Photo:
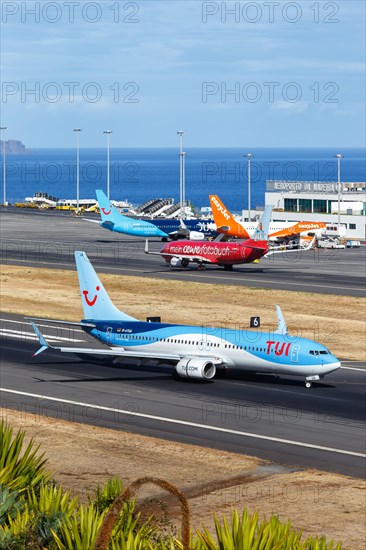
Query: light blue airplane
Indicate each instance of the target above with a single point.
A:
(164, 228)
(195, 351)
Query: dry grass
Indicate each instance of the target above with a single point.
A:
(336, 321)
(213, 481)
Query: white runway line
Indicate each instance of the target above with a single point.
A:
(186, 423)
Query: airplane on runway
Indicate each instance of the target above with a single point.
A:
(278, 231)
(193, 351)
(165, 228)
(225, 254)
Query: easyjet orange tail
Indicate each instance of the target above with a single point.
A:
(225, 223)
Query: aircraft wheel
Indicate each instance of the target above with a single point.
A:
(308, 384)
(185, 263)
(228, 267)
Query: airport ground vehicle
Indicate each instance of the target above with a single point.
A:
(330, 243)
(353, 244)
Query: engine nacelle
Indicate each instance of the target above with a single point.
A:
(196, 236)
(195, 367)
(178, 262)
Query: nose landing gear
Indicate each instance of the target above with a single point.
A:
(310, 379)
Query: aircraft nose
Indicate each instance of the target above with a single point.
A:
(333, 364)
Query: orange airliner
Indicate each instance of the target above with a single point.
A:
(227, 224)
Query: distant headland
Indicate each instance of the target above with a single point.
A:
(13, 147)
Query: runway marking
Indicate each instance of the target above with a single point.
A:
(39, 325)
(32, 336)
(186, 423)
(354, 368)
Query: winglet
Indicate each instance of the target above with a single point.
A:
(282, 327)
(182, 225)
(42, 341)
(262, 231)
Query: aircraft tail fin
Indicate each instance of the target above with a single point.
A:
(262, 231)
(225, 222)
(108, 212)
(97, 305)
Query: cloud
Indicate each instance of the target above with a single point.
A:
(290, 107)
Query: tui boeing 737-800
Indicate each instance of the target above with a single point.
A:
(194, 351)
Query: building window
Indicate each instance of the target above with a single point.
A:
(352, 226)
(304, 205)
(320, 205)
(290, 205)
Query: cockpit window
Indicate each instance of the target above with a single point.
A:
(318, 352)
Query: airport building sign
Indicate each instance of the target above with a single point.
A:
(302, 186)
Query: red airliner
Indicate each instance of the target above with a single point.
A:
(226, 254)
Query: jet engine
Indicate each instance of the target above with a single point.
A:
(195, 367)
(179, 262)
(196, 236)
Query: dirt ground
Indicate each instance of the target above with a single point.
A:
(214, 481)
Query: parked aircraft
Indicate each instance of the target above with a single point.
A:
(278, 231)
(194, 351)
(164, 228)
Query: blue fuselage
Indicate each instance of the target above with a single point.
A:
(255, 351)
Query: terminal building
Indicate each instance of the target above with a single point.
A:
(318, 201)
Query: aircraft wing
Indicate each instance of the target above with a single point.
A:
(189, 257)
(256, 247)
(278, 250)
(119, 351)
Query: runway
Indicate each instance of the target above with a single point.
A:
(49, 240)
(279, 420)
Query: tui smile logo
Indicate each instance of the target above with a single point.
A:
(106, 212)
(91, 302)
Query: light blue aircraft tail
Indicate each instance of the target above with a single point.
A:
(97, 305)
(262, 231)
(108, 212)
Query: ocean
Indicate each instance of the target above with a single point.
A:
(140, 174)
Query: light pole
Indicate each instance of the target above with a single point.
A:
(184, 183)
(181, 171)
(339, 157)
(249, 156)
(77, 130)
(4, 128)
(108, 132)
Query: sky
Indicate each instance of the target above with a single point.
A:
(230, 74)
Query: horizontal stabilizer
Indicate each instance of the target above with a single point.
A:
(71, 323)
(42, 341)
(92, 221)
